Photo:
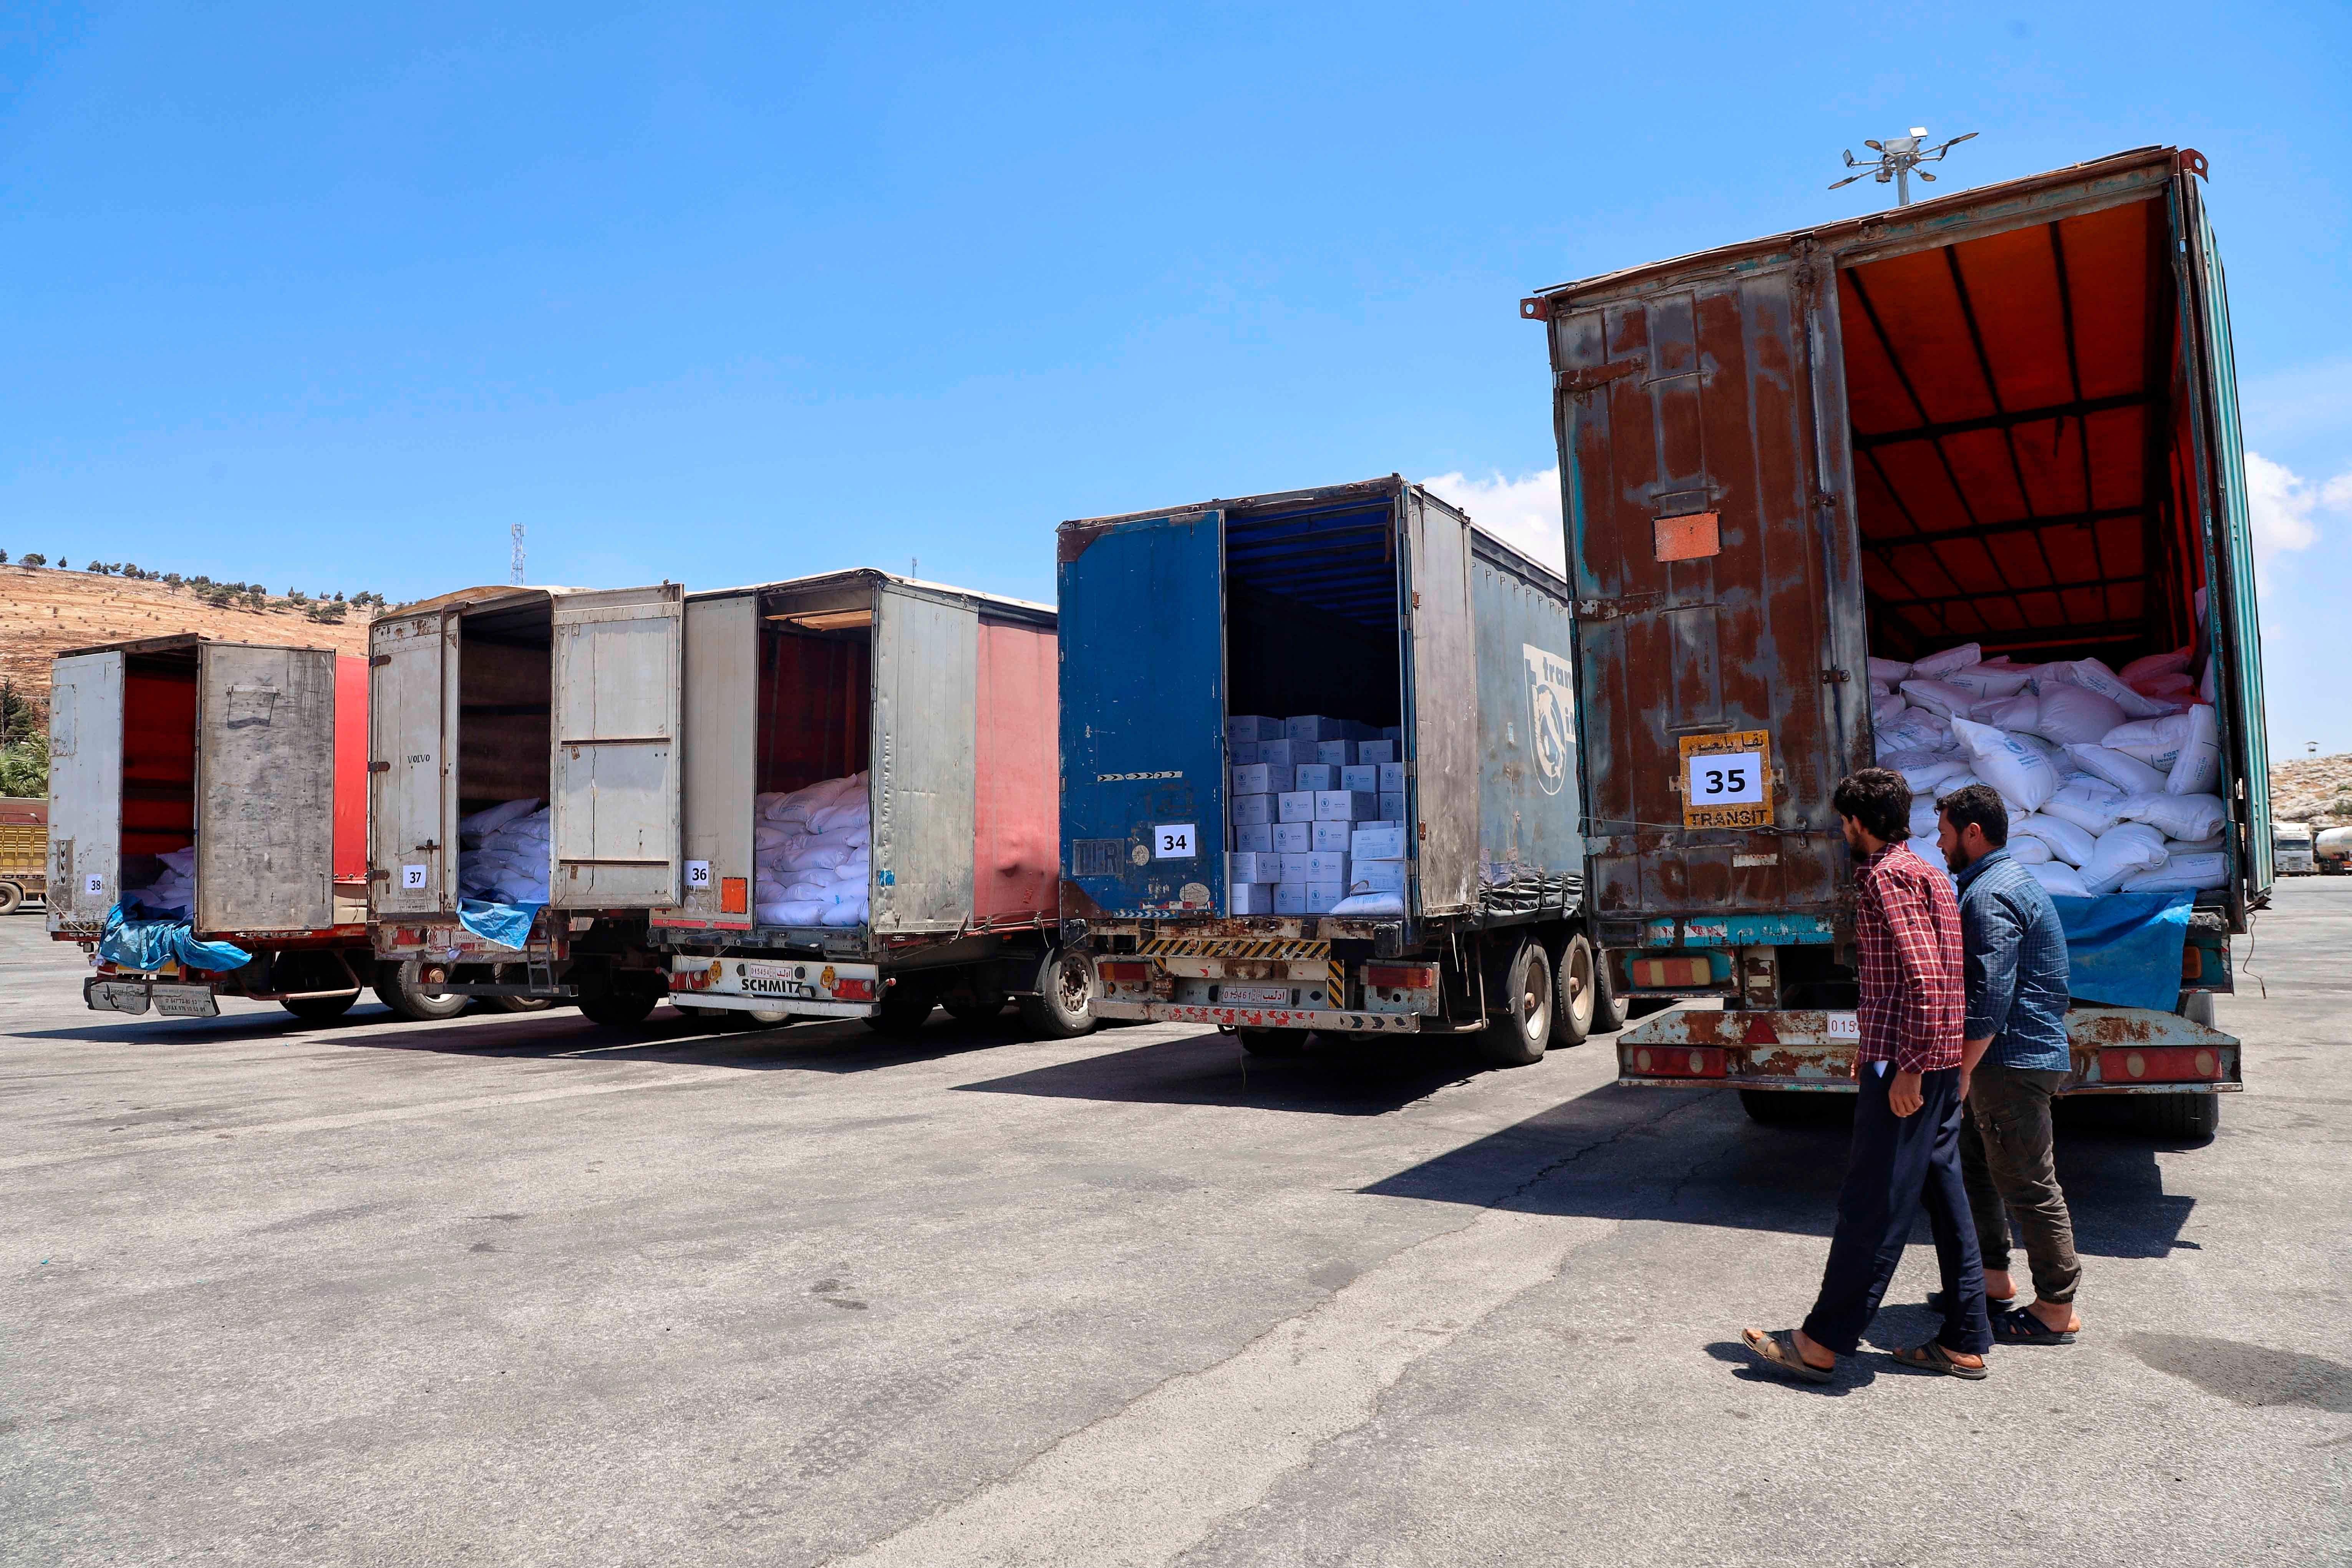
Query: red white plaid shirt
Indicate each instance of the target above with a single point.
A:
(1907, 924)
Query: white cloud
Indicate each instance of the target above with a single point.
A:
(2283, 505)
(1524, 513)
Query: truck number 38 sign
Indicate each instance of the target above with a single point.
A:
(1726, 780)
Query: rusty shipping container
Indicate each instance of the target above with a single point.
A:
(245, 765)
(939, 702)
(2006, 417)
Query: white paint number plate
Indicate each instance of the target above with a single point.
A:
(412, 878)
(1845, 1026)
(1726, 778)
(1173, 841)
(93, 884)
(698, 873)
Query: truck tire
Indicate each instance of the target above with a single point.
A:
(512, 973)
(1575, 1007)
(1061, 1008)
(616, 1008)
(1273, 1042)
(396, 987)
(11, 897)
(904, 1007)
(1517, 1037)
(2188, 1117)
(1608, 1009)
(319, 1009)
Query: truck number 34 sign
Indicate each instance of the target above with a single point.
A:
(1726, 780)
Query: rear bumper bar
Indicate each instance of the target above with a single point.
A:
(1261, 1017)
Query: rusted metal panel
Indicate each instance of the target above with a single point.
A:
(412, 764)
(717, 746)
(926, 669)
(1016, 818)
(265, 788)
(1442, 671)
(84, 789)
(1716, 414)
(618, 658)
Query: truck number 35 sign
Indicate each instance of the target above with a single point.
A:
(1726, 780)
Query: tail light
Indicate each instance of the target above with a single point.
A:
(1125, 973)
(853, 990)
(2160, 1064)
(1670, 971)
(1678, 1061)
(1399, 977)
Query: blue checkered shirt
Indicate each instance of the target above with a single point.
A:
(2014, 957)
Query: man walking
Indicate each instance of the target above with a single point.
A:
(2016, 986)
(1906, 1123)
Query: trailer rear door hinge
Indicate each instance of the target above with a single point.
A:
(1834, 677)
(1577, 383)
(379, 767)
(377, 661)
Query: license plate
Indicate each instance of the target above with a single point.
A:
(118, 998)
(758, 979)
(186, 1002)
(1254, 996)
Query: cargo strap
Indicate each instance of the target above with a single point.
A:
(1233, 947)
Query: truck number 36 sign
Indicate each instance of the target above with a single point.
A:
(1726, 780)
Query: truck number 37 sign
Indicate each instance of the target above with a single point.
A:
(1726, 780)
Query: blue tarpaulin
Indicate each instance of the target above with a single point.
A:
(2124, 949)
(148, 945)
(509, 925)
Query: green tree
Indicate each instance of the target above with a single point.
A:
(24, 747)
(36, 559)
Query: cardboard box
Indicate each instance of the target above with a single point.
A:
(1391, 779)
(1242, 752)
(1252, 727)
(1285, 754)
(1364, 776)
(1294, 868)
(1321, 895)
(1331, 835)
(1314, 727)
(1341, 805)
(1247, 866)
(1257, 838)
(1252, 778)
(1376, 752)
(1295, 805)
(1378, 841)
(1251, 810)
(1290, 898)
(1294, 837)
(1392, 807)
(1250, 898)
(1338, 753)
(1315, 776)
(1325, 866)
(1377, 877)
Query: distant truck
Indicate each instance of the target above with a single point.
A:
(1362, 610)
(2331, 851)
(2291, 848)
(23, 852)
(242, 765)
(2006, 417)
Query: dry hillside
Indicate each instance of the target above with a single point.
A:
(44, 611)
(2317, 790)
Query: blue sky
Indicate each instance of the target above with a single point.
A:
(329, 298)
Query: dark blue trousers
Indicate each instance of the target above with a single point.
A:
(1898, 1163)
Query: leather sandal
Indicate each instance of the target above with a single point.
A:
(1780, 1352)
(1933, 1357)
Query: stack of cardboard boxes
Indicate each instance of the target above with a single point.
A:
(1318, 813)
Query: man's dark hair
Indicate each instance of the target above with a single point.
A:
(1981, 804)
(1879, 800)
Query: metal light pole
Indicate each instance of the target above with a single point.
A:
(514, 567)
(1898, 157)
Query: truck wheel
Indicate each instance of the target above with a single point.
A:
(396, 987)
(904, 1009)
(1608, 1009)
(319, 1009)
(1575, 1011)
(1273, 1042)
(11, 897)
(514, 973)
(616, 1008)
(2190, 1118)
(1063, 1006)
(1518, 1039)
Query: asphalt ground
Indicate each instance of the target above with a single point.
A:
(520, 1290)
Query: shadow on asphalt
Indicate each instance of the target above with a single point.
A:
(1340, 1077)
(1691, 1157)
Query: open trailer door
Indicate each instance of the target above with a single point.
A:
(1721, 688)
(1144, 778)
(84, 789)
(413, 764)
(265, 788)
(618, 660)
(1444, 730)
(720, 773)
(924, 749)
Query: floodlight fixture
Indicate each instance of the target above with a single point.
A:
(1899, 158)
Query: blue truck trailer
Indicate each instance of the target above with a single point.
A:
(2007, 418)
(1367, 635)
